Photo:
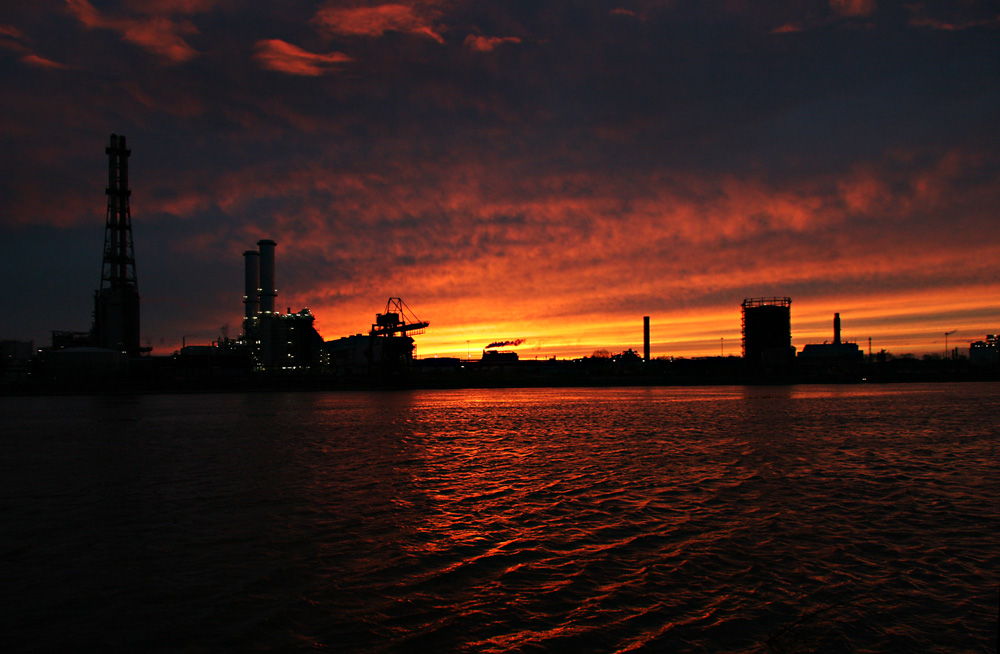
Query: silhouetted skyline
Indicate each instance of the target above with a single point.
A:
(554, 172)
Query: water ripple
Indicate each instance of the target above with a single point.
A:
(700, 520)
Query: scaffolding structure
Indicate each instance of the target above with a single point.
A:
(116, 302)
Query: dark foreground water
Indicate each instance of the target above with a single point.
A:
(791, 519)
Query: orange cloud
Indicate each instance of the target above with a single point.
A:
(574, 271)
(275, 54)
(572, 260)
(160, 35)
(488, 43)
(375, 21)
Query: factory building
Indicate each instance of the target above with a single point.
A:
(387, 348)
(363, 354)
(835, 352)
(767, 330)
(985, 353)
(278, 342)
(288, 342)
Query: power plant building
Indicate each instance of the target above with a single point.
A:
(277, 341)
(363, 354)
(767, 330)
(287, 342)
(835, 352)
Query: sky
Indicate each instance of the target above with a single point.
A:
(521, 169)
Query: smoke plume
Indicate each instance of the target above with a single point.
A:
(515, 342)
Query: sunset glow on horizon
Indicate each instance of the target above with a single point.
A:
(527, 170)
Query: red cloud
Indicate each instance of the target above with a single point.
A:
(171, 7)
(953, 25)
(787, 28)
(853, 7)
(41, 62)
(10, 31)
(12, 39)
(375, 21)
(275, 54)
(159, 35)
(488, 43)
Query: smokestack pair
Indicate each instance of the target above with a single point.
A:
(259, 291)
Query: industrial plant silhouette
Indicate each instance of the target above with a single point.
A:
(284, 350)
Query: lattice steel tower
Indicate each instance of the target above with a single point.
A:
(116, 304)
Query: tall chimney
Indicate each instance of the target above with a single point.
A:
(267, 290)
(836, 329)
(251, 286)
(645, 339)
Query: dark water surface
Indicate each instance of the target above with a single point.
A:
(778, 519)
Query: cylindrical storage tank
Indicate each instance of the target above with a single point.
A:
(251, 285)
(767, 330)
(267, 290)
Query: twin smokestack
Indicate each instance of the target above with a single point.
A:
(259, 292)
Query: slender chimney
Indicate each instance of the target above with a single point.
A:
(645, 339)
(836, 329)
(251, 288)
(267, 290)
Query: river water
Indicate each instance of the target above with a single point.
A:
(728, 519)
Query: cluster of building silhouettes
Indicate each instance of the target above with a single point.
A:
(286, 344)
